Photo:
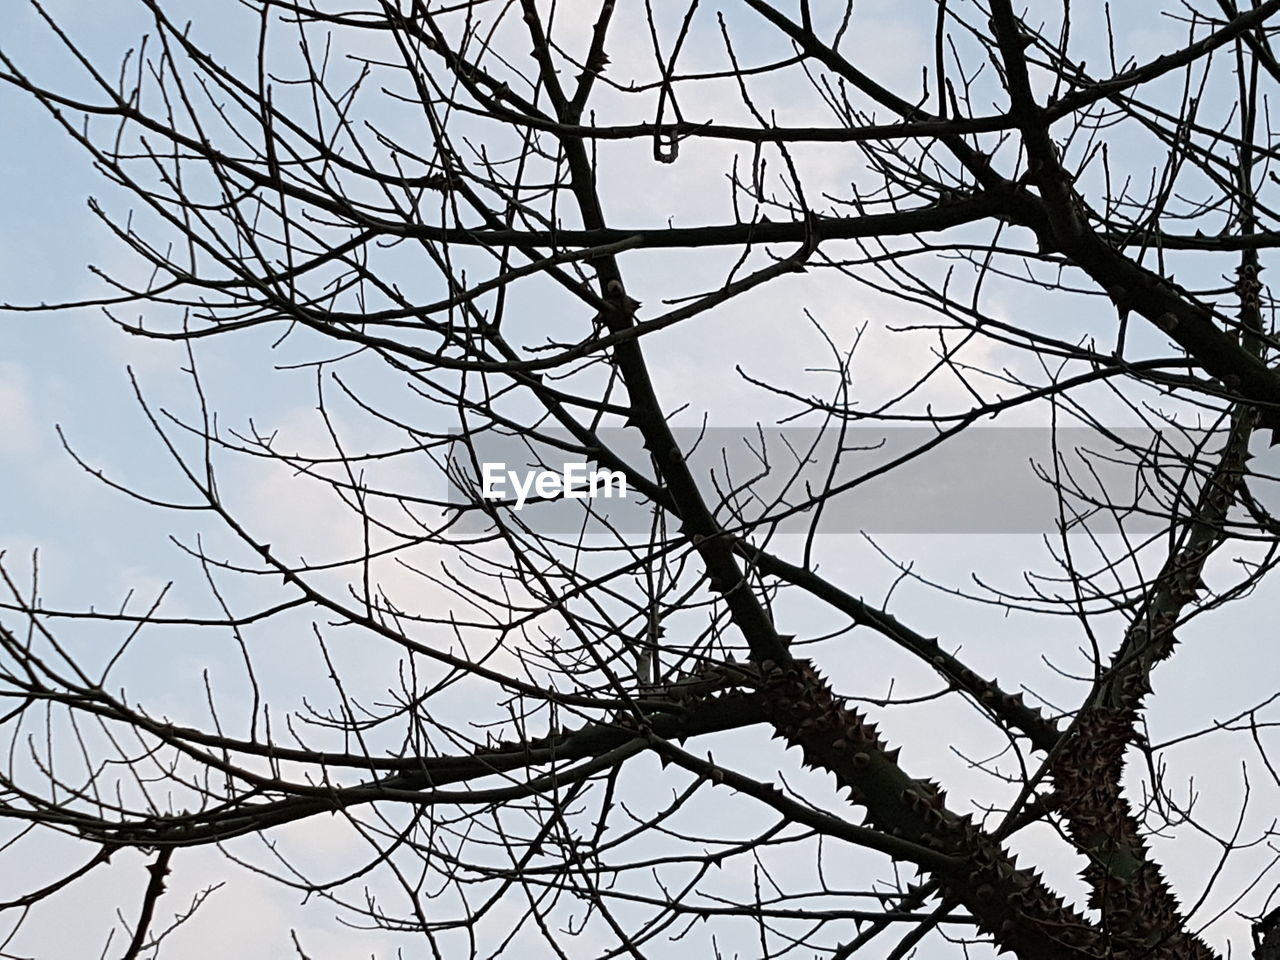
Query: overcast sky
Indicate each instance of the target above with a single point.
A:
(68, 370)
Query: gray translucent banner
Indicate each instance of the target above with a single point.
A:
(868, 479)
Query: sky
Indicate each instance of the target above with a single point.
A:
(67, 380)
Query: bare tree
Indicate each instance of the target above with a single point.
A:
(533, 234)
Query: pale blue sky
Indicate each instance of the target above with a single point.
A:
(96, 545)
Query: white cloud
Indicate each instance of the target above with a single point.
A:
(19, 434)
